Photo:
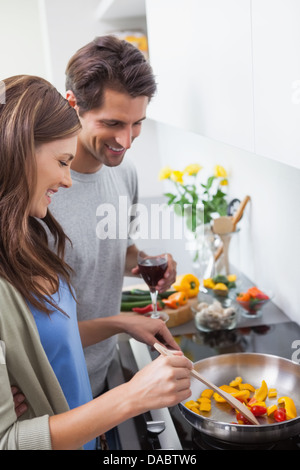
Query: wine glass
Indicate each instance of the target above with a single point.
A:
(152, 268)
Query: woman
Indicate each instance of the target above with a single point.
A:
(40, 342)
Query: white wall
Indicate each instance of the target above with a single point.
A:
(22, 39)
(269, 249)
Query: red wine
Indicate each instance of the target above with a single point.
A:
(152, 270)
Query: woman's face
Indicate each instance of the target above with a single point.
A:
(53, 172)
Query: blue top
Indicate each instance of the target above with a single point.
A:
(61, 341)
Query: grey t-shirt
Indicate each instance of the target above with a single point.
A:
(94, 214)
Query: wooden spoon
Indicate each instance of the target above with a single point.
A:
(236, 217)
(227, 396)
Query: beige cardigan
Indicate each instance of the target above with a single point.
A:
(23, 363)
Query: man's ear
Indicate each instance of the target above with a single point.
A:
(71, 98)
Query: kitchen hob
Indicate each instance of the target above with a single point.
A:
(168, 429)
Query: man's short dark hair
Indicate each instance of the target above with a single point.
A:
(108, 62)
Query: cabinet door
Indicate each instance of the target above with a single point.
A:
(200, 51)
(276, 72)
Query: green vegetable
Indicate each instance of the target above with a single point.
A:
(133, 297)
(220, 278)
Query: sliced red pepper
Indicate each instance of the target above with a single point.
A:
(147, 309)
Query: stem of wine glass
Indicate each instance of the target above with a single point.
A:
(155, 313)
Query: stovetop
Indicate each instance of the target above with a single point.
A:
(279, 339)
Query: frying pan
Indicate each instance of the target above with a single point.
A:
(279, 373)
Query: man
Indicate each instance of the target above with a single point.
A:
(110, 84)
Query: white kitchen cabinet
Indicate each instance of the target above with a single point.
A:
(116, 9)
(200, 51)
(276, 78)
(230, 71)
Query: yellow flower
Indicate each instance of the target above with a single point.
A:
(165, 173)
(220, 171)
(192, 169)
(177, 176)
(224, 182)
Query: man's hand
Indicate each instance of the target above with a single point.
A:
(169, 276)
(19, 400)
(149, 331)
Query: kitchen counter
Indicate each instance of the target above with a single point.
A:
(254, 334)
(271, 314)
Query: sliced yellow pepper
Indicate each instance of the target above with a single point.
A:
(244, 394)
(228, 389)
(203, 400)
(205, 406)
(236, 382)
(246, 387)
(258, 403)
(272, 393)
(290, 407)
(271, 409)
(218, 398)
(187, 283)
(261, 393)
(207, 393)
(195, 410)
(191, 404)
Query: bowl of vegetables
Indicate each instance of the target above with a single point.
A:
(252, 301)
(220, 285)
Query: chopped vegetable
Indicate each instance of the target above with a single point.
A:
(205, 406)
(258, 410)
(262, 392)
(280, 415)
(289, 406)
(207, 393)
(246, 387)
(176, 300)
(256, 403)
(252, 300)
(236, 382)
(272, 393)
(271, 409)
(146, 309)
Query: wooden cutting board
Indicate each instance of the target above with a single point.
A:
(176, 317)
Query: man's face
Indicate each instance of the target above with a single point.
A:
(107, 132)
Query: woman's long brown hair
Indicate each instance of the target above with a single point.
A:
(33, 113)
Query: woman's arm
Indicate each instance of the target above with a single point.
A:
(163, 383)
(146, 330)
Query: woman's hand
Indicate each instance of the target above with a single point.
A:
(149, 331)
(163, 383)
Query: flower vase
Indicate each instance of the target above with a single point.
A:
(202, 252)
(224, 255)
